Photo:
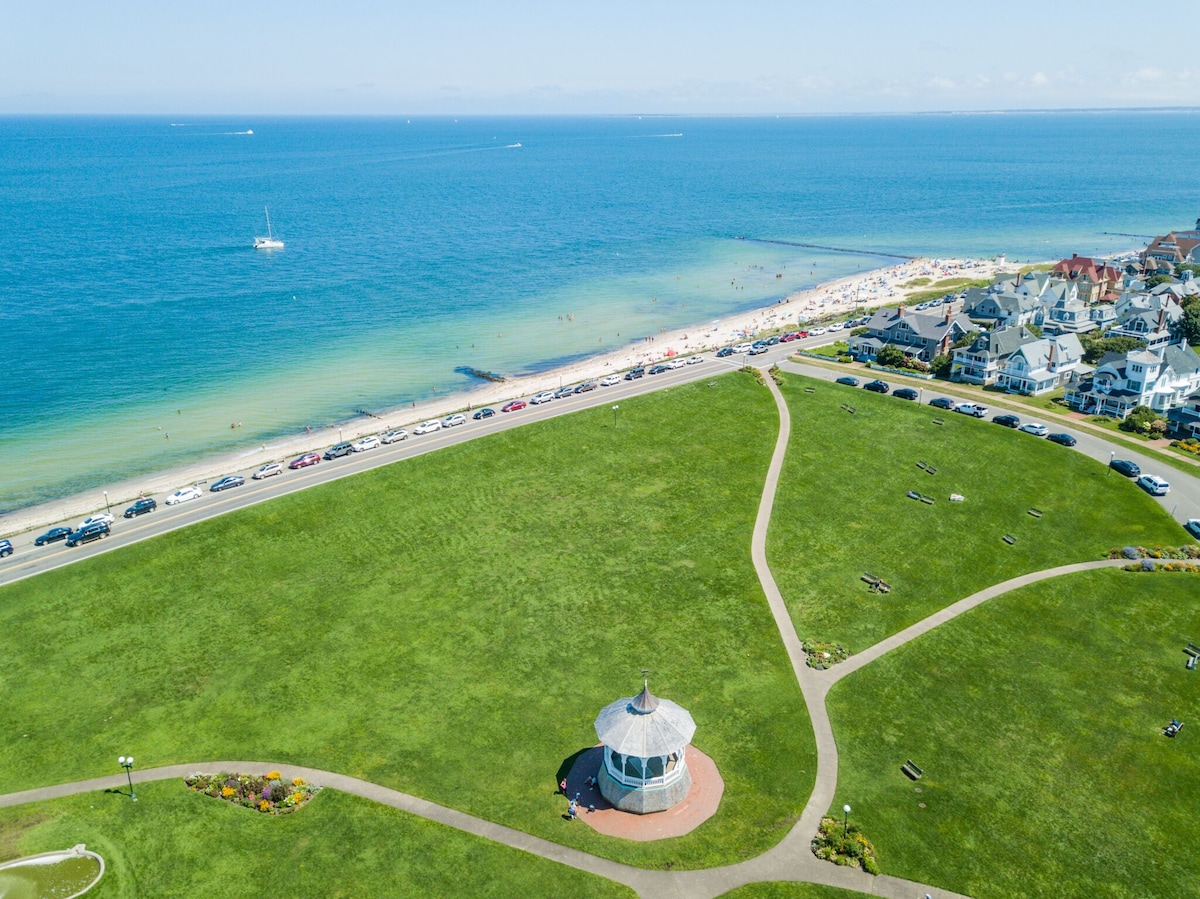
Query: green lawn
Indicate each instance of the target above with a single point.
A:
(1037, 719)
(448, 626)
(173, 842)
(842, 510)
(777, 890)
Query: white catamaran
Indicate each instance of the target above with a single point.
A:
(269, 242)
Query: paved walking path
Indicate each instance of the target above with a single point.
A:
(790, 860)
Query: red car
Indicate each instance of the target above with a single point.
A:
(306, 460)
(513, 406)
(801, 333)
(788, 337)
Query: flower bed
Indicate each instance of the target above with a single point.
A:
(844, 845)
(267, 793)
(1183, 553)
(824, 655)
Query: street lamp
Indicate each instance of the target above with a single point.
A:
(126, 762)
(339, 435)
(615, 408)
(107, 504)
(845, 820)
(1112, 455)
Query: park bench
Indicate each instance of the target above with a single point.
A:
(810, 390)
(869, 578)
(881, 587)
(939, 421)
(1191, 663)
(921, 464)
(911, 770)
(1009, 539)
(912, 494)
(1036, 513)
(1173, 728)
(849, 408)
(927, 500)
(929, 469)
(1192, 649)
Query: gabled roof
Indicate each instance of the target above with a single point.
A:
(1182, 359)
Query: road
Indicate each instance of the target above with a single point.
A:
(1183, 501)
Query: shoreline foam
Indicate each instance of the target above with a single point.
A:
(866, 290)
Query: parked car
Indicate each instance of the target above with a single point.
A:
(848, 380)
(772, 341)
(634, 373)
(453, 421)
(538, 398)
(942, 402)
(756, 350)
(677, 362)
(1154, 485)
(484, 413)
(877, 386)
(659, 369)
(514, 406)
(98, 518)
(1062, 439)
(563, 392)
(1009, 421)
(338, 450)
(183, 495)
(586, 387)
(6, 548)
(304, 461)
(905, 393)
(427, 427)
(610, 381)
(233, 480)
(53, 536)
(1192, 526)
(363, 444)
(816, 332)
(742, 348)
(269, 470)
(788, 337)
(93, 531)
(1036, 428)
(394, 436)
(724, 351)
(141, 506)
(1125, 467)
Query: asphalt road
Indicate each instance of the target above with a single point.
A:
(1183, 501)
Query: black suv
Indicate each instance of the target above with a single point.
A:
(877, 386)
(848, 380)
(5, 548)
(93, 531)
(141, 507)
(942, 402)
(634, 373)
(906, 393)
(1009, 421)
(338, 450)
(1125, 467)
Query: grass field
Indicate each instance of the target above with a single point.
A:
(775, 890)
(1037, 719)
(448, 626)
(842, 510)
(175, 843)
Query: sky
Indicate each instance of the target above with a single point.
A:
(368, 57)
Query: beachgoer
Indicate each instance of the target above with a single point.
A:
(562, 787)
(572, 810)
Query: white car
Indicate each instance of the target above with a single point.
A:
(366, 443)
(972, 409)
(610, 381)
(394, 436)
(816, 332)
(1154, 485)
(1036, 428)
(451, 421)
(271, 468)
(676, 363)
(98, 518)
(182, 495)
(427, 427)
(836, 326)
(538, 398)
(743, 348)
(695, 360)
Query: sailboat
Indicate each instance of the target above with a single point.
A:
(269, 242)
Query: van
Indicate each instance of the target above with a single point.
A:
(93, 531)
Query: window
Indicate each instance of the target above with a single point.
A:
(633, 767)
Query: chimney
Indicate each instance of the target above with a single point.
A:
(1162, 317)
(1050, 357)
(900, 311)
(949, 312)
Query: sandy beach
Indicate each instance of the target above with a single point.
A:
(830, 301)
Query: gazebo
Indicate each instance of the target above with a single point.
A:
(645, 738)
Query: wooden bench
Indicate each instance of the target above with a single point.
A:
(911, 770)
(1036, 513)
(912, 494)
(810, 390)
(849, 409)
(939, 421)
(1192, 649)
(927, 500)
(1191, 663)
(869, 578)
(1009, 539)
(929, 469)
(921, 464)
(881, 587)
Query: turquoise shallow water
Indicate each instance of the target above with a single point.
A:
(131, 298)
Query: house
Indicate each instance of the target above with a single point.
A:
(1039, 366)
(923, 335)
(1147, 317)
(1094, 280)
(1162, 379)
(1164, 253)
(1068, 314)
(1003, 309)
(1184, 421)
(981, 361)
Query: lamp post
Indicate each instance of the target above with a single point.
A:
(339, 435)
(845, 820)
(107, 504)
(126, 762)
(615, 408)
(1112, 455)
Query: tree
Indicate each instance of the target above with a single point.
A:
(966, 340)
(1035, 330)
(941, 365)
(1155, 280)
(1188, 327)
(1139, 420)
(891, 356)
(1095, 348)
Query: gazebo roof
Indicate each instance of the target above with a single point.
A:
(644, 725)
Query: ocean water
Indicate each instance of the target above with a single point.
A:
(132, 304)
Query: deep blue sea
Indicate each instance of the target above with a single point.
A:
(132, 303)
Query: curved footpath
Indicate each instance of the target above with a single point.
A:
(790, 860)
